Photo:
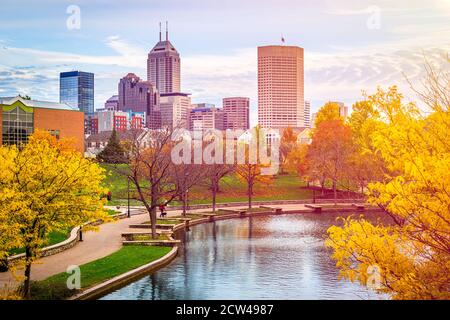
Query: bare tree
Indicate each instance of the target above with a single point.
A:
(185, 176)
(151, 170)
(214, 174)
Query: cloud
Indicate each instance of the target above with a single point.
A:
(339, 74)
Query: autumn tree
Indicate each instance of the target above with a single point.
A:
(329, 152)
(366, 162)
(296, 161)
(411, 256)
(329, 111)
(288, 142)
(45, 186)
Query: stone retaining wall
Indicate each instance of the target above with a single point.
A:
(125, 278)
(70, 242)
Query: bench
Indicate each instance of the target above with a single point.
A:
(316, 208)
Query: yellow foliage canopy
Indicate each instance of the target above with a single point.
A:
(45, 186)
(413, 254)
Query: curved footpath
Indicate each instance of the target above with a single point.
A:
(105, 241)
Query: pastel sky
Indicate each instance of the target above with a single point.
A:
(349, 45)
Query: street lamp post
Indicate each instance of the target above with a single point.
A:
(128, 212)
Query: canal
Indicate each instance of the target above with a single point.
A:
(269, 257)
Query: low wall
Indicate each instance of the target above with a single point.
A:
(125, 278)
(70, 242)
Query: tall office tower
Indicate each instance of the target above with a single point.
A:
(175, 108)
(280, 86)
(140, 96)
(236, 113)
(76, 88)
(307, 114)
(163, 65)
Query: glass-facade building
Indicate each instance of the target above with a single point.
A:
(17, 124)
(76, 88)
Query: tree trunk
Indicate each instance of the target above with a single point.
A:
(153, 211)
(153, 219)
(184, 203)
(26, 283)
(214, 194)
(250, 191)
(335, 193)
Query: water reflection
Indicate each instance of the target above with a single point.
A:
(274, 257)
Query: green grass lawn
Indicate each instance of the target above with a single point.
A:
(53, 238)
(284, 187)
(126, 259)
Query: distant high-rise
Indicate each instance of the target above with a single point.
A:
(175, 108)
(163, 65)
(76, 88)
(280, 86)
(112, 103)
(307, 114)
(236, 113)
(140, 96)
(206, 118)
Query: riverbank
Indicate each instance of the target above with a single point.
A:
(197, 219)
(108, 239)
(253, 257)
(120, 262)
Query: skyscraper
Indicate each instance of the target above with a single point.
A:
(140, 96)
(163, 65)
(280, 86)
(236, 113)
(307, 114)
(76, 88)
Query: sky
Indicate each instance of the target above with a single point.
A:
(350, 46)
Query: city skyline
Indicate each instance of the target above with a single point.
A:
(219, 58)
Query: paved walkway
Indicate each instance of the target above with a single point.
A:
(98, 244)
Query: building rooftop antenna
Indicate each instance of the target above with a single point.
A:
(167, 31)
(160, 31)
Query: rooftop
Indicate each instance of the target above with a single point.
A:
(37, 104)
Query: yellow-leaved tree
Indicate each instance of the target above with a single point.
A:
(45, 186)
(410, 258)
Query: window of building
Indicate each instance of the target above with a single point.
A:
(17, 126)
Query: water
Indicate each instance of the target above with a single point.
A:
(272, 257)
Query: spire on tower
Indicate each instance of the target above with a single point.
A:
(167, 31)
(160, 31)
